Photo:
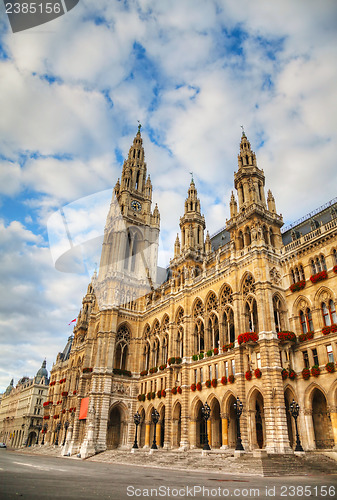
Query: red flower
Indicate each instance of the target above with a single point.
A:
(171, 361)
(292, 374)
(248, 337)
(330, 367)
(158, 394)
(74, 392)
(326, 330)
(64, 394)
(224, 380)
(216, 350)
(306, 373)
(143, 373)
(208, 383)
(284, 373)
(248, 375)
(258, 373)
(334, 269)
(174, 390)
(179, 389)
(285, 335)
(148, 396)
(214, 382)
(231, 379)
(295, 287)
(193, 387)
(46, 417)
(319, 277)
(315, 371)
(333, 328)
(199, 386)
(163, 393)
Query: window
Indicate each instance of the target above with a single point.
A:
(201, 377)
(226, 368)
(277, 313)
(306, 321)
(233, 366)
(258, 359)
(306, 359)
(330, 354)
(195, 376)
(210, 372)
(329, 313)
(335, 256)
(315, 356)
(216, 371)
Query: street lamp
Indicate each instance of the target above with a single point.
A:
(238, 407)
(206, 413)
(294, 410)
(58, 428)
(66, 425)
(136, 419)
(39, 427)
(155, 418)
(45, 428)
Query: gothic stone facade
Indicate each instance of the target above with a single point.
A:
(142, 342)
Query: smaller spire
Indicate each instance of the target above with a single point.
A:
(139, 126)
(192, 180)
(243, 131)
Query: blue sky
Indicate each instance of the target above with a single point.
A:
(192, 72)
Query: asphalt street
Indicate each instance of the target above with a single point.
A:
(35, 477)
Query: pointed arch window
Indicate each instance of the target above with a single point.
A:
(329, 313)
(251, 315)
(165, 349)
(181, 342)
(213, 326)
(306, 320)
(156, 351)
(146, 356)
(335, 256)
(278, 315)
(228, 324)
(199, 332)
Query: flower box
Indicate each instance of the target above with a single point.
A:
(209, 353)
(231, 379)
(162, 367)
(201, 355)
(284, 374)
(159, 394)
(306, 373)
(179, 390)
(74, 392)
(63, 411)
(285, 336)
(296, 287)
(141, 397)
(248, 375)
(292, 374)
(315, 371)
(195, 357)
(87, 370)
(306, 336)
(154, 369)
(46, 403)
(55, 417)
(216, 351)
(163, 393)
(330, 367)
(149, 396)
(208, 383)
(178, 361)
(224, 380)
(121, 371)
(315, 278)
(227, 347)
(174, 390)
(248, 337)
(214, 382)
(143, 373)
(199, 386)
(52, 383)
(257, 373)
(334, 269)
(171, 361)
(46, 417)
(327, 329)
(193, 387)
(64, 394)
(153, 395)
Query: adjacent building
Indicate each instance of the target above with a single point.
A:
(21, 409)
(248, 313)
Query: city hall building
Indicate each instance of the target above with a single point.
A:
(248, 313)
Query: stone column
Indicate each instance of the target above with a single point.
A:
(333, 416)
(147, 434)
(309, 426)
(224, 419)
(158, 433)
(209, 431)
(193, 432)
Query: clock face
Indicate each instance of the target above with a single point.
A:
(136, 206)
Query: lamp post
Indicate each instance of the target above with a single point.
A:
(238, 407)
(136, 419)
(58, 428)
(206, 413)
(39, 427)
(294, 410)
(66, 425)
(45, 428)
(155, 418)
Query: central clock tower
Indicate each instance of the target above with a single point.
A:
(128, 267)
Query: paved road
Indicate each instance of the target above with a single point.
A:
(34, 477)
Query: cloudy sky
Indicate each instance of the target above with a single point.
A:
(192, 72)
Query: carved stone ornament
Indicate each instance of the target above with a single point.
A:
(275, 276)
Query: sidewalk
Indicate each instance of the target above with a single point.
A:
(216, 461)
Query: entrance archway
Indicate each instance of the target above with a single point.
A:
(141, 430)
(257, 422)
(216, 425)
(200, 427)
(114, 438)
(31, 439)
(288, 397)
(321, 421)
(162, 426)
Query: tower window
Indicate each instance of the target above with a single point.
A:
(305, 359)
(315, 356)
(330, 354)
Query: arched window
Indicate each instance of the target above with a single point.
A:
(122, 342)
(213, 326)
(323, 264)
(278, 315)
(302, 275)
(199, 332)
(313, 267)
(156, 350)
(329, 313)
(146, 356)
(181, 342)
(251, 315)
(306, 320)
(228, 323)
(335, 256)
(165, 349)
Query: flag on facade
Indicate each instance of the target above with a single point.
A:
(72, 321)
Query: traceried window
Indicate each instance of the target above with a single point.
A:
(213, 326)
(329, 352)
(122, 342)
(306, 359)
(251, 315)
(278, 315)
(329, 313)
(199, 332)
(315, 356)
(297, 273)
(228, 325)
